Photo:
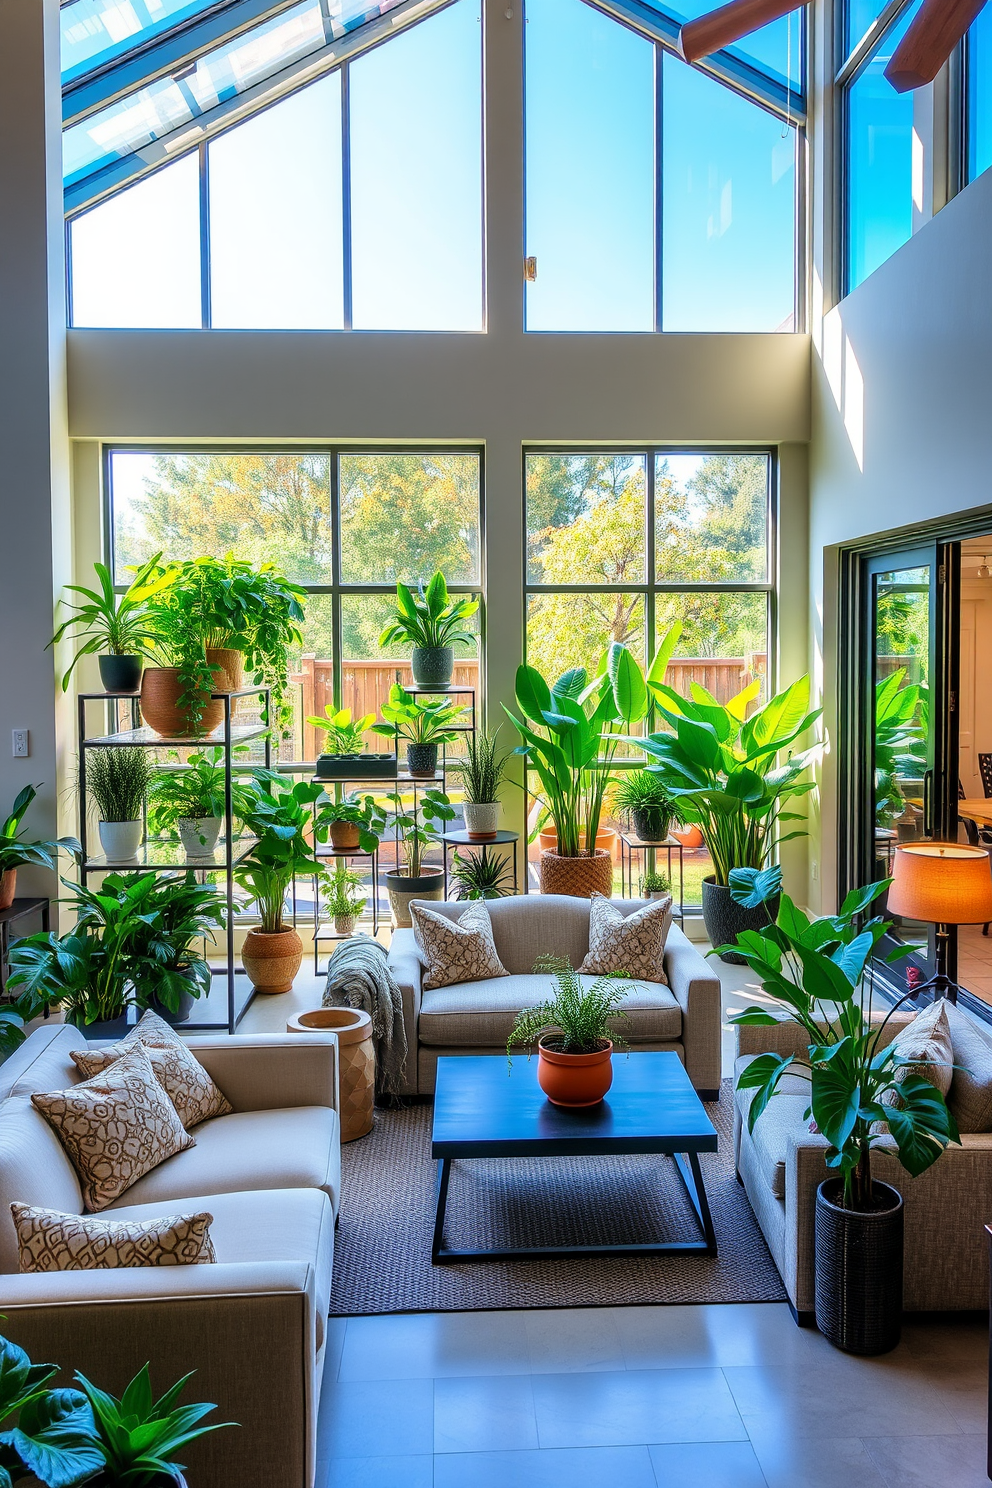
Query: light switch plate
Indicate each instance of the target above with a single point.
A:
(21, 743)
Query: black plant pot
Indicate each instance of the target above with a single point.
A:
(651, 823)
(859, 1270)
(432, 665)
(121, 673)
(355, 766)
(421, 759)
(105, 1028)
(724, 918)
(186, 1000)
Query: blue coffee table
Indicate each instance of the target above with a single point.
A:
(482, 1110)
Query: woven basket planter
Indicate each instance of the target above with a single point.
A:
(232, 662)
(580, 877)
(859, 1267)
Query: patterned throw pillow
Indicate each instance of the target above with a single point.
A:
(927, 1042)
(115, 1127)
(632, 945)
(459, 950)
(50, 1241)
(181, 1075)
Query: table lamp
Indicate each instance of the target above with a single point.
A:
(943, 884)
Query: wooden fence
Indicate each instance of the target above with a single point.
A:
(365, 685)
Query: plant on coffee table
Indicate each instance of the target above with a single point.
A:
(575, 1032)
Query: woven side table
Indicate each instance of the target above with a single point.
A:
(357, 1062)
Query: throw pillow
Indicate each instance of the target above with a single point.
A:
(50, 1241)
(181, 1075)
(629, 945)
(927, 1042)
(459, 950)
(970, 1097)
(114, 1127)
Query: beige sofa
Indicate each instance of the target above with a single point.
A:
(782, 1163)
(476, 1017)
(253, 1326)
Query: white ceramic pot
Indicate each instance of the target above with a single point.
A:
(481, 819)
(198, 835)
(120, 840)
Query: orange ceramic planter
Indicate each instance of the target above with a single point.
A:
(8, 887)
(345, 836)
(272, 958)
(606, 840)
(574, 1079)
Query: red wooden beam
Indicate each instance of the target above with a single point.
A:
(722, 27)
(936, 30)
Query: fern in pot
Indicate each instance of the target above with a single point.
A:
(643, 796)
(575, 1033)
(346, 899)
(482, 775)
(118, 779)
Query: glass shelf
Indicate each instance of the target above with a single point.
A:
(148, 739)
(163, 853)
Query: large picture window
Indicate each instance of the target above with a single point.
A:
(344, 523)
(622, 545)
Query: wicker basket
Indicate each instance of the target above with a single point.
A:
(580, 877)
(859, 1263)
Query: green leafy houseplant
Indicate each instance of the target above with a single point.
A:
(901, 710)
(16, 850)
(344, 735)
(655, 883)
(165, 969)
(821, 971)
(575, 1019)
(417, 827)
(345, 899)
(354, 821)
(111, 623)
(476, 875)
(65, 1437)
(424, 724)
(191, 797)
(484, 768)
(642, 794)
(278, 814)
(431, 618)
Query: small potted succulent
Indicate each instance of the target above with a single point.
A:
(482, 775)
(15, 851)
(345, 900)
(356, 823)
(479, 876)
(575, 1033)
(655, 885)
(416, 828)
(432, 622)
(345, 757)
(118, 779)
(642, 795)
(424, 725)
(279, 815)
(117, 628)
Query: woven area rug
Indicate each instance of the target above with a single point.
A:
(382, 1249)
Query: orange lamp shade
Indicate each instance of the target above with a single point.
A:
(943, 883)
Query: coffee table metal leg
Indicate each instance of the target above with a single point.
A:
(443, 1174)
(694, 1187)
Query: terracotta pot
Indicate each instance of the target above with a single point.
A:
(481, 820)
(344, 835)
(574, 1079)
(160, 693)
(401, 889)
(606, 840)
(232, 662)
(580, 877)
(689, 836)
(8, 887)
(356, 1058)
(272, 958)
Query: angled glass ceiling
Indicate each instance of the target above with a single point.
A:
(95, 32)
(776, 50)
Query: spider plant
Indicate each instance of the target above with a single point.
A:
(114, 624)
(118, 781)
(579, 1019)
(479, 876)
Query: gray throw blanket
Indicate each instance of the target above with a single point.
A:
(358, 977)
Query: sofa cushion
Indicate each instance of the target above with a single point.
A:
(43, 1061)
(481, 1014)
(785, 1113)
(116, 1126)
(297, 1147)
(50, 1241)
(285, 1224)
(459, 950)
(631, 945)
(34, 1169)
(927, 1042)
(970, 1097)
(182, 1077)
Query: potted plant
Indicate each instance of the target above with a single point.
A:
(416, 830)
(643, 796)
(345, 900)
(15, 851)
(482, 775)
(570, 736)
(861, 1095)
(424, 725)
(479, 876)
(118, 780)
(655, 885)
(575, 1033)
(345, 757)
(62, 1437)
(356, 823)
(166, 971)
(720, 766)
(431, 622)
(117, 628)
(278, 814)
(191, 798)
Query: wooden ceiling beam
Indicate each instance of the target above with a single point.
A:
(934, 33)
(720, 28)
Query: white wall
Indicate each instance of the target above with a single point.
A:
(901, 419)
